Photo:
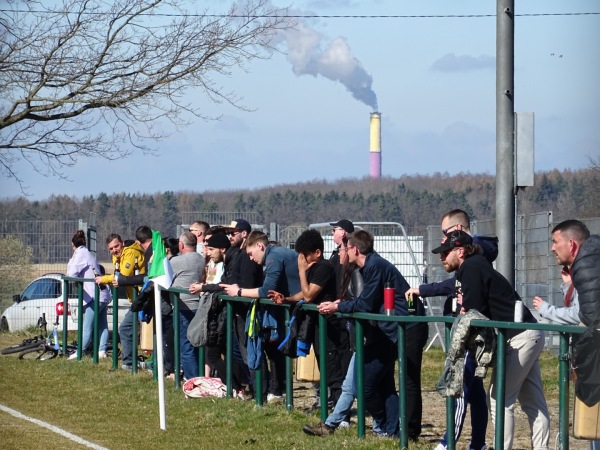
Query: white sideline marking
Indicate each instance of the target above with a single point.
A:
(57, 430)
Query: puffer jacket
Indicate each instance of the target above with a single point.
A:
(586, 278)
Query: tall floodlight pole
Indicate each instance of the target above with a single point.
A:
(505, 162)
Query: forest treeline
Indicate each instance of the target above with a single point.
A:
(414, 201)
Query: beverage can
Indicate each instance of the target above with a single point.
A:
(518, 311)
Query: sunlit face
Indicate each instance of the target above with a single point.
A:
(115, 247)
(450, 260)
(338, 235)
(256, 252)
(215, 254)
(236, 237)
(563, 248)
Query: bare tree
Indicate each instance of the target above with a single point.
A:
(90, 78)
(594, 162)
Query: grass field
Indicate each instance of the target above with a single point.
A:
(120, 411)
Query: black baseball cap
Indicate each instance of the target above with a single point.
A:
(454, 239)
(240, 224)
(344, 224)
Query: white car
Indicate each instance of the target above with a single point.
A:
(42, 296)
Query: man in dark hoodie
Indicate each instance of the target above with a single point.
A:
(473, 389)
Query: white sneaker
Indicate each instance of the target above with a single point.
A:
(272, 398)
(102, 355)
(440, 447)
(344, 424)
(73, 355)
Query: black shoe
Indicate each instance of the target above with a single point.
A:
(322, 429)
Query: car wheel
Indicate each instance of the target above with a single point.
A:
(4, 324)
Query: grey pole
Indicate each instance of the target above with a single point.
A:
(505, 111)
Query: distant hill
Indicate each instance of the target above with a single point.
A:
(414, 201)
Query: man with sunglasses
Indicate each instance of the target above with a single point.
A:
(473, 389)
(487, 291)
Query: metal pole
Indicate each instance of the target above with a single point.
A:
(505, 164)
(229, 348)
(323, 365)
(563, 391)
(115, 326)
(402, 384)
(96, 323)
(359, 377)
(500, 387)
(79, 320)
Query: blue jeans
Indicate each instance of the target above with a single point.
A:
(189, 354)
(344, 404)
(88, 327)
(381, 398)
(474, 394)
(126, 338)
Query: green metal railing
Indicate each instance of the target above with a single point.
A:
(360, 319)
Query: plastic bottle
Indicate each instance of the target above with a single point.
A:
(117, 271)
(96, 274)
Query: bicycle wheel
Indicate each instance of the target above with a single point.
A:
(33, 353)
(25, 345)
(50, 353)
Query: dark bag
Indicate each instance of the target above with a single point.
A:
(145, 300)
(586, 363)
(289, 345)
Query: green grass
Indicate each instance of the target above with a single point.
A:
(120, 411)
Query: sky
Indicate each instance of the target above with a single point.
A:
(432, 80)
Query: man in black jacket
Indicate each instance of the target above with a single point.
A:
(574, 247)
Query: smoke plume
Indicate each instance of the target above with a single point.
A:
(335, 61)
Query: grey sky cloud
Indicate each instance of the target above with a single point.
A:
(463, 63)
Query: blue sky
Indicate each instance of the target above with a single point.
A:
(434, 80)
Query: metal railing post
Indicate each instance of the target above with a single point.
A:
(289, 373)
(450, 409)
(79, 320)
(65, 311)
(96, 323)
(229, 348)
(500, 387)
(115, 326)
(403, 423)
(176, 344)
(563, 391)
(359, 378)
(134, 335)
(323, 366)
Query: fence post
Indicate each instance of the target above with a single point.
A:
(500, 387)
(79, 319)
(289, 387)
(65, 307)
(450, 420)
(402, 384)
(96, 322)
(134, 335)
(115, 326)
(323, 365)
(176, 345)
(359, 374)
(563, 391)
(229, 348)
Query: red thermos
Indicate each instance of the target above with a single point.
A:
(389, 294)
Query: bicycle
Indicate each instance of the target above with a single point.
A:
(31, 342)
(48, 349)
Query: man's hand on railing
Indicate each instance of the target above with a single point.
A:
(328, 307)
(277, 297)
(231, 289)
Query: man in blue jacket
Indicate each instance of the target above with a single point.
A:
(280, 275)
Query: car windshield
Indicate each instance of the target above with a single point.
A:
(42, 288)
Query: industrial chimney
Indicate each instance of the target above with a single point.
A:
(375, 145)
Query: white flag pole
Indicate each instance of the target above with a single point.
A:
(159, 358)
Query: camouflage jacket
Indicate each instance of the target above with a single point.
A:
(479, 342)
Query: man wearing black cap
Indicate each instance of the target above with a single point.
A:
(487, 291)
